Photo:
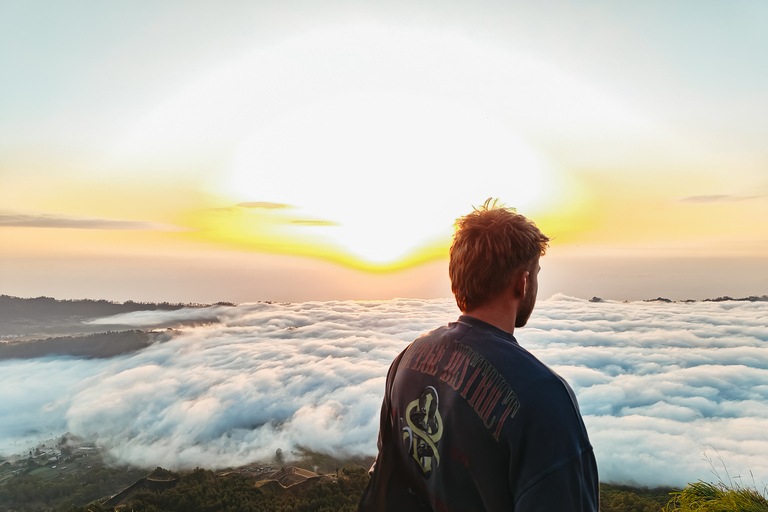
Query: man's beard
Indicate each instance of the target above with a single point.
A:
(525, 310)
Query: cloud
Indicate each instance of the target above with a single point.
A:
(315, 222)
(713, 199)
(265, 205)
(660, 385)
(55, 220)
(148, 319)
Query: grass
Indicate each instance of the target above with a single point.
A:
(718, 497)
(708, 497)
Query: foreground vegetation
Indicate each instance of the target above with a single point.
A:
(35, 491)
(68, 475)
(202, 491)
(625, 498)
(708, 497)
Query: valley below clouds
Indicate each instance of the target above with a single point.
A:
(661, 386)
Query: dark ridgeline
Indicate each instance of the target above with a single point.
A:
(46, 316)
(97, 345)
(48, 308)
(751, 298)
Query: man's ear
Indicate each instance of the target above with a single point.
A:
(521, 283)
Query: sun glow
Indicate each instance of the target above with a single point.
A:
(380, 175)
(283, 232)
(373, 137)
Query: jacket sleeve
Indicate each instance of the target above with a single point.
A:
(572, 487)
(555, 463)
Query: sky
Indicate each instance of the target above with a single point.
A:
(293, 151)
(669, 392)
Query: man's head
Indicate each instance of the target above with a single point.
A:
(492, 246)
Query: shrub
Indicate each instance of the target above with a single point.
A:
(708, 497)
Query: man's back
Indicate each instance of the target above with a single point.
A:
(471, 421)
(481, 424)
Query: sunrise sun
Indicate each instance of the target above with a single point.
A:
(381, 174)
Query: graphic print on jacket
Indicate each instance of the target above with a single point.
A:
(477, 381)
(424, 430)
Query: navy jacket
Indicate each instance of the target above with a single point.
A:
(482, 425)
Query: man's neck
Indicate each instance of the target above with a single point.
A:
(497, 313)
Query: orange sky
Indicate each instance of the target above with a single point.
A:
(293, 154)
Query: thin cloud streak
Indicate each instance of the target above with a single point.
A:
(659, 385)
(55, 220)
(265, 205)
(713, 199)
(315, 222)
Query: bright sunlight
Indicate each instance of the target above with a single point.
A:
(381, 174)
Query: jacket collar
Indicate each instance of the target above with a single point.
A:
(474, 322)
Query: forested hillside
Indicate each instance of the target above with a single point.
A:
(41, 316)
(96, 345)
(202, 490)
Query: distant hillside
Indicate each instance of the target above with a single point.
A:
(42, 308)
(725, 298)
(42, 316)
(751, 298)
(98, 345)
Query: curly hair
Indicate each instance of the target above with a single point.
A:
(489, 246)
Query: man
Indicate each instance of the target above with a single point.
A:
(471, 420)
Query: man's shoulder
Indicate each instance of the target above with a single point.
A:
(454, 330)
(470, 331)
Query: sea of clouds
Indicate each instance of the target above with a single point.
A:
(661, 386)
